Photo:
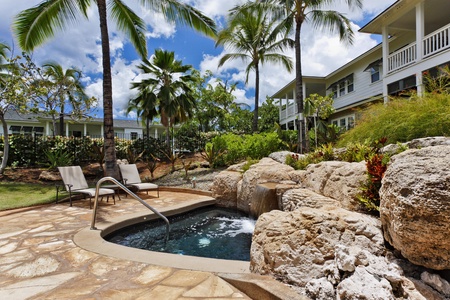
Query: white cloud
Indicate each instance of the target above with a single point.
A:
(79, 45)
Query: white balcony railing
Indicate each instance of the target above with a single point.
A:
(436, 41)
(402, 57)
(289, 112)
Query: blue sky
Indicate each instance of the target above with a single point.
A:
(78, 46)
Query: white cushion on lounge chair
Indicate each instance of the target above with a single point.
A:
(91, 192)
(75, 182)
(130, 175)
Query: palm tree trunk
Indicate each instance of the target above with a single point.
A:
(255, 112)
(111, 168)
(299, 85)
(5, 143)
(61, 120)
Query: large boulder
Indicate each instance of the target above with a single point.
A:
(224, 188)
(333, 253)
(415, 207)
(338, 180)
(299, 246)
(295, 198)
(266, 170)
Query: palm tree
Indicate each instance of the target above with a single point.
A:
(162, 92)
(68, 88)
(255, 38)
(3, 61)
(294, 13)
(35, 25)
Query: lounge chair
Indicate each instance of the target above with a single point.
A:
(75, 182)
(130, 177)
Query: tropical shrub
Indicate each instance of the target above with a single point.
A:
(58, 158)
(323, 153)
(402, 120)
(213, 155)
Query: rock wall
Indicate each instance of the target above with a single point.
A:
(325, 248)
(266, 170)
(338, 180)
(328, 253)
(415, 205)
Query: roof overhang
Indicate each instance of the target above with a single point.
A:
(400, 17)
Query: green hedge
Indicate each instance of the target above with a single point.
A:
(238, 148)
(26, 151)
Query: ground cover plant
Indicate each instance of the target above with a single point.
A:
(16, 195)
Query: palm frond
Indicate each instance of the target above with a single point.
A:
(131, 24)
(35, 25)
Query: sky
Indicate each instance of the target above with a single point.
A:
(79, 46)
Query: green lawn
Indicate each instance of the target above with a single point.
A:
(17, 195)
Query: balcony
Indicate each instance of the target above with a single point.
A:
(436, 41)
(432, 44)
(288, 113)
(403, 57)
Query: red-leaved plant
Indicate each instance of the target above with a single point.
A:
(376, 164)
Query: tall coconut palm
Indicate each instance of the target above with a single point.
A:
(35, 25)
(4, 49)
(166, 89)
(252, 36)
(294, 14)
(67, 89)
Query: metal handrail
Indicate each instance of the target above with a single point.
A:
(120, 185)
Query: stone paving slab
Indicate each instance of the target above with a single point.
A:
(39, 260)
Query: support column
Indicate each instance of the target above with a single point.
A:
(67, 129)
(385, 70)
(84, 129)
(420, 33)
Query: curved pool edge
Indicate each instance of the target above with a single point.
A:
(92, 240)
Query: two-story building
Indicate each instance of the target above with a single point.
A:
(40, 125)
(415, 39)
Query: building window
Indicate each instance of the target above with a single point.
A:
(134, 135)
(334, 91)
(374, 69)
(402, 85)
(375, 74)
(350, 122)
(342, 87)
(346, 122)
(76, 134)
(350, 85)
(39, 131)
(15, 129)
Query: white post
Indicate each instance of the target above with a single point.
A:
(67, 129)
(84, 129)
(420, 33)
(385, 61)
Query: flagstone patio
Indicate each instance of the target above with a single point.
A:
(39, 259)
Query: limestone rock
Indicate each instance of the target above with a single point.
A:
(266, 170)
(338, 180)
(280, 156)
(298, 176)
(320, 289)
(428, 142)
(363, 285)
(224, 188)
(296, 198)
(300, 245)
(414, 206)
(49, 176)
(237, 167)
(437, 282)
